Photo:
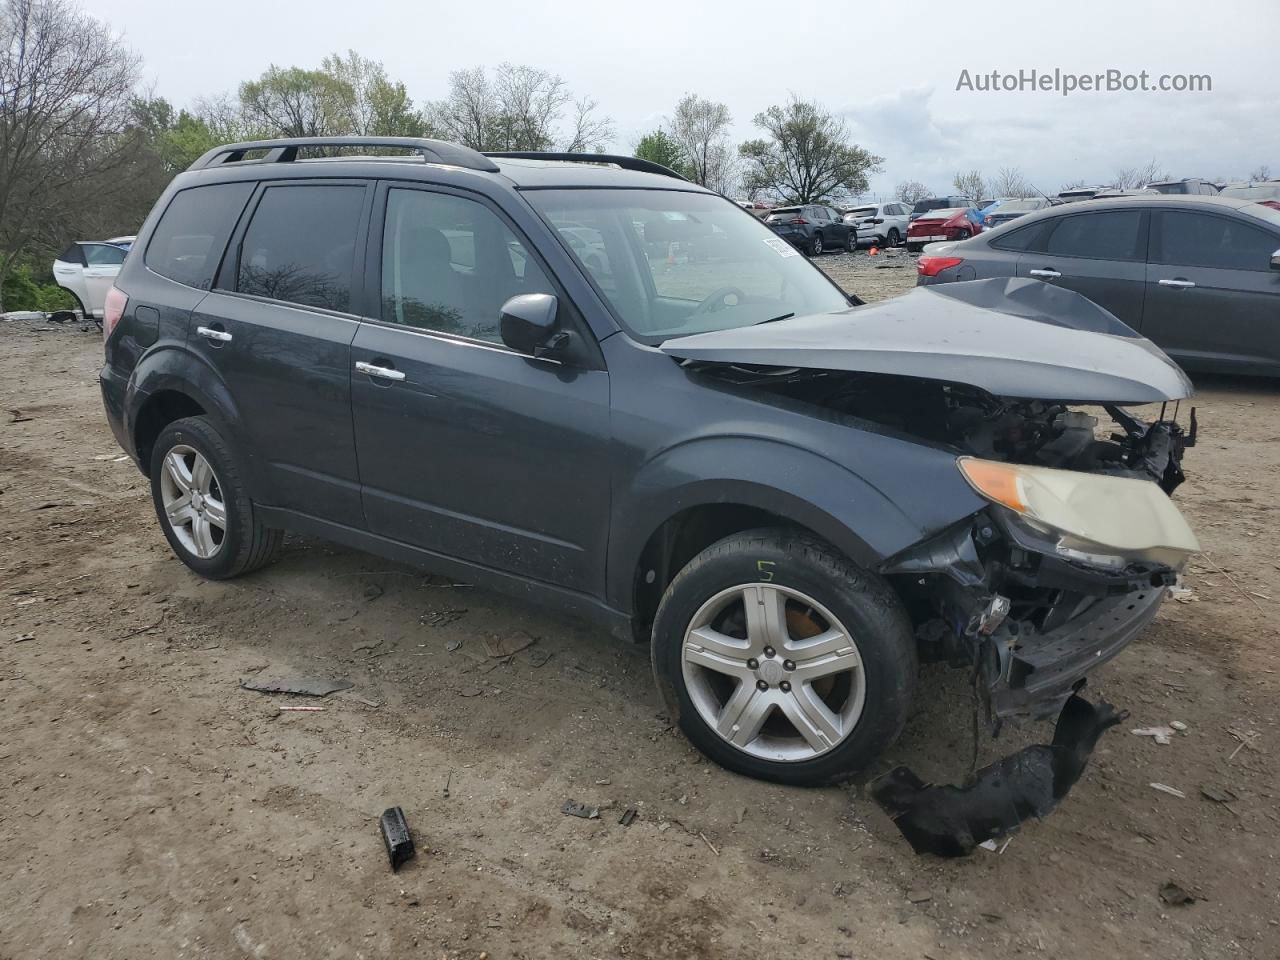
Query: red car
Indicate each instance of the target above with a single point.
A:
(955, 223)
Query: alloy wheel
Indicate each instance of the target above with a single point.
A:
(773, 672)
(193, 501)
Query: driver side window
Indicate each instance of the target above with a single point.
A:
(449, 264)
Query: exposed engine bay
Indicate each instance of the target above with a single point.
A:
(1039, 432)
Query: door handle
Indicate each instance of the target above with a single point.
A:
(210, 334)
(1180, 284)
(1046, 274)
(386, 373)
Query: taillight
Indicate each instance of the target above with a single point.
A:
(1273, 204)
(799, 220)
(113, 310)
(932, 266)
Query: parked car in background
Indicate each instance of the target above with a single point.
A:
(1076, 194)
(87, 268)
(754, 206)
(812, 229)
(880, 224)
(1113, 192)
(1005, 210)
(770, 485)
(1266, 192)
(1197, 275)
(953, 223)
(1188, 185)
(930, 204)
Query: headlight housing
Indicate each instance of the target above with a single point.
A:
(1101, 520)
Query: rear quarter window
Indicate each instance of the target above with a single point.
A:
(187, 243)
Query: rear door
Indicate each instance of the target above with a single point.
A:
(466, 447)
(278, 328)
(1213, 300)
(1099, 254)
(102, 266)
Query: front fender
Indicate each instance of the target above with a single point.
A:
(868, 520)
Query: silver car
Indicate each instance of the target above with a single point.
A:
(880, 224)
(1197, 275)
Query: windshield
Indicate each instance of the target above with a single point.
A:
(924, 206)
(943, 214)
(672, 263)
(783, 213)
(861, 212)
(1019, 206)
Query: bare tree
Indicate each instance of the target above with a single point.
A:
(911, 191)
(1010, 182)
(808, 156)
(1261, 172)
(701, 129)
(520, 108)
(970, 185)
(66, 89)
(1131, 178)
(292, 102)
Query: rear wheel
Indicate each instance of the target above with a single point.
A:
(894, 238)
(203, 504)
(815, 245)
(783, 660)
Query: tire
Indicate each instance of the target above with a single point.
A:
(814, 590)
(815, 245)
(894, 238)
(851, 242)
(242, 543)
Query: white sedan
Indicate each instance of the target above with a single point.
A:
(87, 268)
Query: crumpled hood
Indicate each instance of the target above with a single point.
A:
(1010, 336)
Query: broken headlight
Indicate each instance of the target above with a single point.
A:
(1100, 520)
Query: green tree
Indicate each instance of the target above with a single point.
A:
(378, 106)
(658, 147)
(292, 102)
(807, 156)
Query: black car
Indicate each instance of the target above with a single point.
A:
(476, 363)
(1197, 275)
(813, 228)
(929, 204)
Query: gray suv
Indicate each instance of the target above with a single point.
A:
(496, 367)
(1199, 276)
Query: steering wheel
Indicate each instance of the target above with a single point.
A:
(708, 304)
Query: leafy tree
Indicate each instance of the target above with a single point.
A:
(292, 102)
(807, 156)
(378, 106)
(657, 147)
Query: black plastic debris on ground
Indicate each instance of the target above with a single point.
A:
(950, 821)
(304, 686)
(628, 816)
(395, 834)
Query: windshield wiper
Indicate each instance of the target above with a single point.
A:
(785, 316)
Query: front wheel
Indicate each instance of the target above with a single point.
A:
(783, 660)
(850, 242)
(203, 504)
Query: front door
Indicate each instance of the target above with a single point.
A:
(1213, 300)
(278, 329)
(466, 447)
(1100, 255)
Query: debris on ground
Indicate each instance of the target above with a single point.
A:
(499, 647)
(303, 686)
(470, 692)
(24, 637)
(367, 645)
(1175, 896)
(1161, 735)
(950, 821)
(372, 592)
(454, 644)
(919, 896)
(16, 416)
(539, 658)
(395, 834)
(1218, 795)
(1245, 740)
(1165, 788)
(442, 618)
(629, 816)
(298, 708)
(1178, 725)
(583, 810)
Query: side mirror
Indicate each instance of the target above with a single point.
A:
(1275, 260)
(528, 324)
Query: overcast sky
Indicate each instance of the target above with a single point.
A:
(889, 67)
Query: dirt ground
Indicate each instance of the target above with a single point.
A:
(150, 807)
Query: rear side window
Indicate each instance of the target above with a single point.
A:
(1112, 235)
(300, 245)
(1200, 240)
(187, 243)
(103, 255)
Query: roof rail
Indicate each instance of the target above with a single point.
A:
(626, 163)
(286, 151)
